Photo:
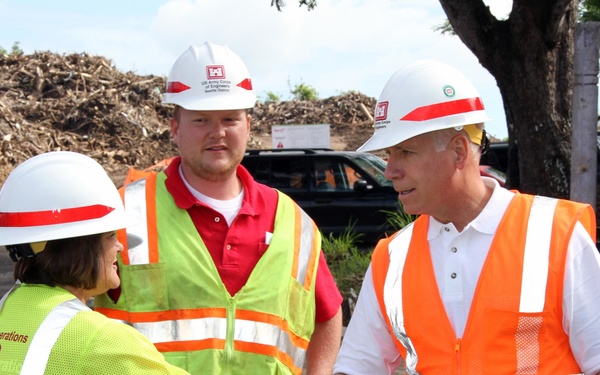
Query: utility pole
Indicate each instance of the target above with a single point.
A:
(584, 147)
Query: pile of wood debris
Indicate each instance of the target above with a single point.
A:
(82, 103)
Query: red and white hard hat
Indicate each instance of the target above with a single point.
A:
(209, 77)
(59, 195)
(420, 98)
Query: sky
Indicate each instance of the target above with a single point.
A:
(340, 46)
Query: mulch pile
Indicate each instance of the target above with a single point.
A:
(80, 102)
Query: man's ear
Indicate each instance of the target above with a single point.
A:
(174, 128)
(461, 149)
(248, 125)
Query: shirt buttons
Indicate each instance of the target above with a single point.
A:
(454, 249)
(447, 229)
(453, 275)
(228, 247)
(217, 219)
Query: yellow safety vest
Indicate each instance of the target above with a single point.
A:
(173, 294)
(45, 330)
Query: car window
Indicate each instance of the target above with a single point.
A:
(374, 166)
(324, 177)
(284, 174)
(335, 175)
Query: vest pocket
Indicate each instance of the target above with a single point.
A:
(147, 287)
(301, 309)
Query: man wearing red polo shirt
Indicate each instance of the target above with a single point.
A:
(226, 276)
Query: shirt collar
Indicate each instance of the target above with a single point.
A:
(253, 203)
(488, 219)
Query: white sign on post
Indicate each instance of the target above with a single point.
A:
(300, 136)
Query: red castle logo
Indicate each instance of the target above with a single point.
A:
(215, 72)
(381, 111)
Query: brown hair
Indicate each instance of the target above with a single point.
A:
(70, 261)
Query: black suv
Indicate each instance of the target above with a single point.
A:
(336, 188)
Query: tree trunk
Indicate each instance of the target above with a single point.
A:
(531, 56)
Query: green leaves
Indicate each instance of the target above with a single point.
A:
(15, 49)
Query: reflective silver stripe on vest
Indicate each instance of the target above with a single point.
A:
(271, 335)
(183, 329)
(137, 235)
(533, 283)
(46, 335)
(306, 244)
(392, 294)
(537, 252)
(216, 328)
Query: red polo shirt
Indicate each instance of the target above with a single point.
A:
(236, 249)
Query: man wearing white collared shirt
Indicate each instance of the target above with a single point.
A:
(450, 255)
(486, 281)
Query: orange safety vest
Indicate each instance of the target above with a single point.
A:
(515, 322)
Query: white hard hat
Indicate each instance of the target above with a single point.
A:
(59, 195)
(420, 98)
(209, 77)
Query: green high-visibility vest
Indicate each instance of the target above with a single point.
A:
(173, 294)
(46, 330)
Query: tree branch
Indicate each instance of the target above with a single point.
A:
(279, 4)
(473, 22)
(556, 20)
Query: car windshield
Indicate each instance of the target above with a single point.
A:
(374, 166)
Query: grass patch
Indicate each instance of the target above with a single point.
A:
(398, 219)
(347, 264)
